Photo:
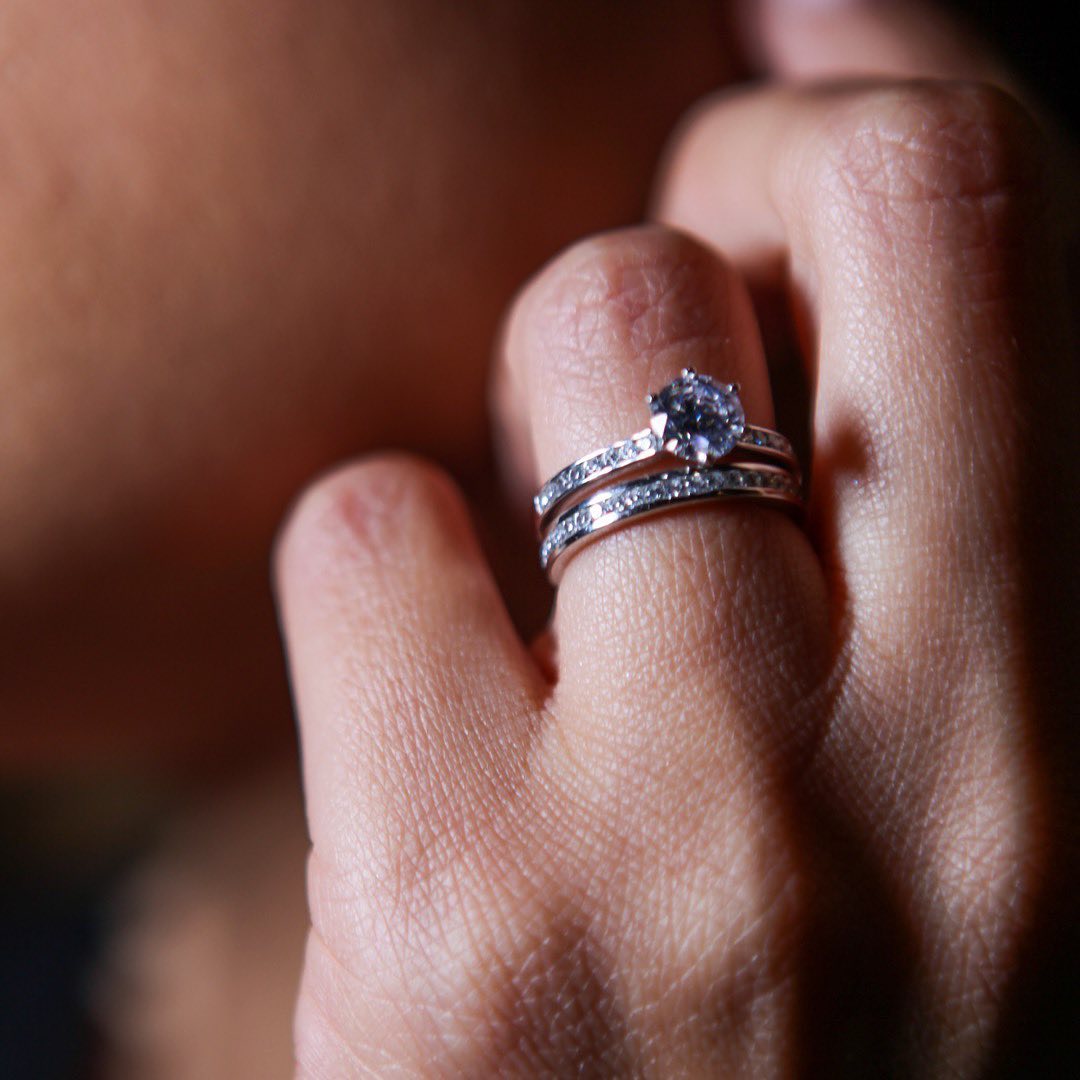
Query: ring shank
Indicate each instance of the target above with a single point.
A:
(585, 473)
(613, 507)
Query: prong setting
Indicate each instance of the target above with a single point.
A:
(694, 417)
(702, 419)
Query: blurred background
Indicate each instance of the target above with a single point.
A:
(228, 229)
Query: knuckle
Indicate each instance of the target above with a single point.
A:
(920, 157)
(352, 927)
(731, 879)
(327, 1041)
(362, 512)
(423, 851)
(549, 1003)
(622, 296)
(546, 949)
(531, 994)
(427, 857)
(730, 973)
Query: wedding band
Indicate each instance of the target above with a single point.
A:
(612, 507)
(694, 418)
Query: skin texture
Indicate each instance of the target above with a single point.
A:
(778, 801)
(232, 233)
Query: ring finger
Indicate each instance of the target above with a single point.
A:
(708, 604)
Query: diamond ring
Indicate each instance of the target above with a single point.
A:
(694, 418)
(697, 423)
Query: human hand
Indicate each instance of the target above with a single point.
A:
(777, 800)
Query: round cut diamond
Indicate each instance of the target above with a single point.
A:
(703, 419)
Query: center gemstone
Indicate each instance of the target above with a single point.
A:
(698, 418)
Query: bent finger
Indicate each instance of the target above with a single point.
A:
(915, 223)
(914, 220)
(696, 605)
(413, 692)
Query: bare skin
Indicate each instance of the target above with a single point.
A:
(790, 800)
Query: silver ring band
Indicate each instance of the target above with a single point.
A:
(694, 418)
(612, 507)
(640, 447)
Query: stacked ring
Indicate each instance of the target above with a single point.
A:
(695, 419)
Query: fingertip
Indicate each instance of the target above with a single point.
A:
(368, 514)
(827, 39)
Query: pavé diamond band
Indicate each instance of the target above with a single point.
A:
(611, 507)
(694, 418)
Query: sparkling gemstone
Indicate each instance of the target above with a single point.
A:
(703, 419)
